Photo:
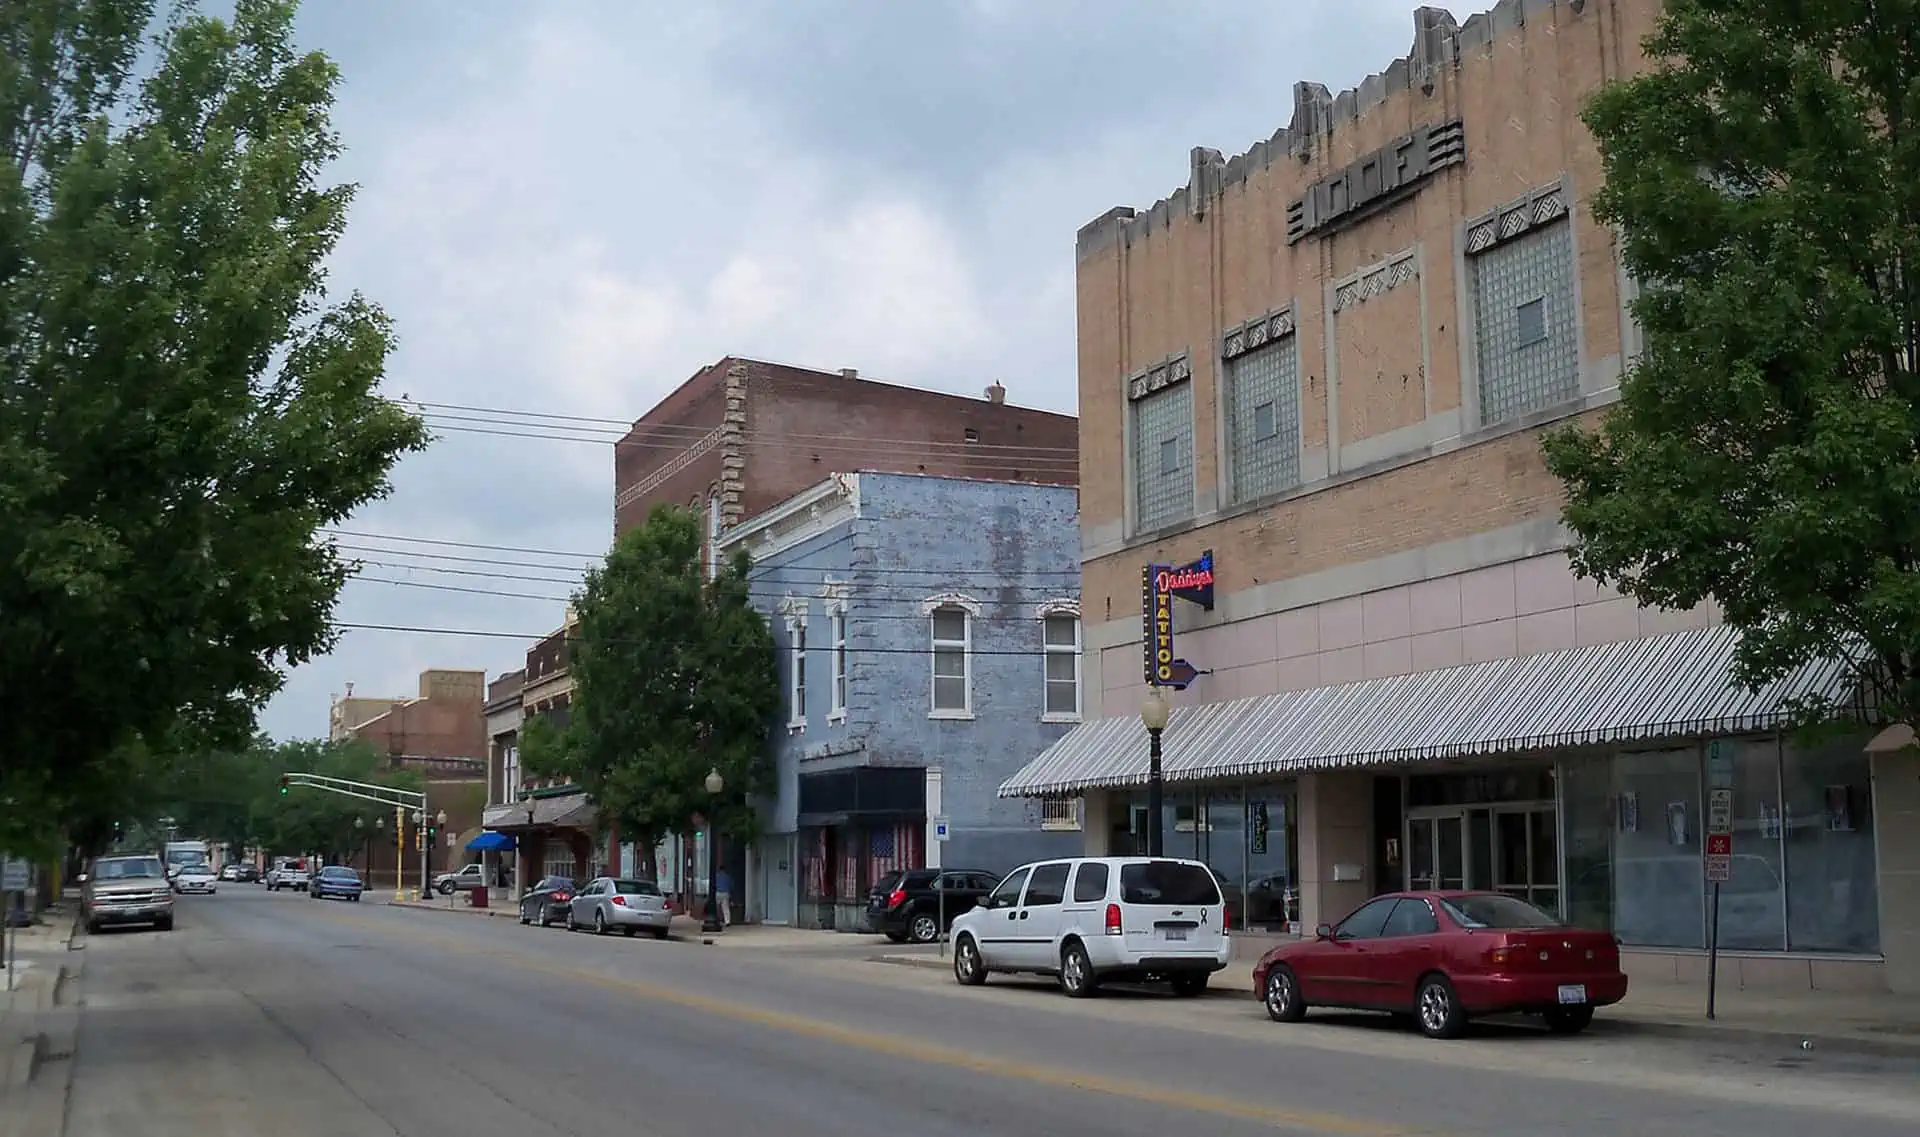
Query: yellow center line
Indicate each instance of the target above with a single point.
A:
(898, 1046)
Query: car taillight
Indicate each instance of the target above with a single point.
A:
(897, 898)
(1113, 919)
(620, 901)
(563, 896)
(1503, 956)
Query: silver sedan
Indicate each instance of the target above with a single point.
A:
(609, 903)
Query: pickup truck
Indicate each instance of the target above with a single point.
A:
(292, 875)
(466, 880)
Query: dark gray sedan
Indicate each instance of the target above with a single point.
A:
(546, 903)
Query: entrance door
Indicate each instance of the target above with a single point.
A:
(1437, 851)
(1526, 855)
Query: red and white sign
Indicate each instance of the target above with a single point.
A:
(1719, 844)
(1719, 869)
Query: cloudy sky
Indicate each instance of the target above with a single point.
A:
(571, 206)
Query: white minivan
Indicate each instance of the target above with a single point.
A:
(1091, 919)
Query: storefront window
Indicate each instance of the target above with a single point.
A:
(1833, 901)
(1587, 809)
(1753, 914)
(1659, 878)
(1272, 897)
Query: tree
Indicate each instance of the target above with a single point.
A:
(673, 676)
(182, 406)
(1765, 182)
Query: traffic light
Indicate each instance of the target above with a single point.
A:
(283, 783)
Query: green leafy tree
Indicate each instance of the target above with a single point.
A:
(182, 405)
(1765, 183)
(673, 676)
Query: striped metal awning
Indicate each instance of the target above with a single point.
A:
(1672, 686)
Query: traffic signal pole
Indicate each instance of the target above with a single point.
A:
(401, 801)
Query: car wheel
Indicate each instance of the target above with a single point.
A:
(525, 919)
(446, 888)
(1569, 1020)
(571, 926)
(599, 923)
(93, 927)
(356, 898)
(1284, 1004)
(545, 919)
(1188, 986)
(968, 968)
(165, 923)
(1076, 972)
(659, 933)
(629, 931)
(924, 929)
(1438, 1009)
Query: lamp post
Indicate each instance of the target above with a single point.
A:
(380, 832)
(420, 839)
(1153, 715)
(359, 831)
(715, 783)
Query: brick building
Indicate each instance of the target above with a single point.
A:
(929, 638)
(1329, 361)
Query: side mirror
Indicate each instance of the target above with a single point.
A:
(984, 902)
(1323, 932)
(82, 878)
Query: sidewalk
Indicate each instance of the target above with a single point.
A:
(686, 929)
(39, 1021)
(1884, 1025)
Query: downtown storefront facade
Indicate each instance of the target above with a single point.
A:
(1576, 778)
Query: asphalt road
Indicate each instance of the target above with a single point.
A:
(276, 1016)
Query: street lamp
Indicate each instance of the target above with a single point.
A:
(1154, 713)
(715, 783)
(359, 828)
(420, 839)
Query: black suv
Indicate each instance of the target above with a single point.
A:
(907, 905)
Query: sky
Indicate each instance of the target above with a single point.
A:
(570, 207)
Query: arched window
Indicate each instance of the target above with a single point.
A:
(1060, 651)
(950, 620)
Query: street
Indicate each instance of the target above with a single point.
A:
(277, 1015)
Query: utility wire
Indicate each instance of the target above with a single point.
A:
(407, 629)
(774, 596)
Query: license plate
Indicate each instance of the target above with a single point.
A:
(1176, 933)
(1573, 994)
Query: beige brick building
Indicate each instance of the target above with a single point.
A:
(1329, 361)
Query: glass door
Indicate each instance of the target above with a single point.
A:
(1526, 855)
(1437, 851)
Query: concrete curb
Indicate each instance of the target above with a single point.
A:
(1654, 1028)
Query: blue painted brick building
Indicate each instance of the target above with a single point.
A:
(929, 636)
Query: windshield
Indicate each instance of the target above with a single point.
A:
(339, 872)
(137, 868)
(636, 888)
(1491, 910)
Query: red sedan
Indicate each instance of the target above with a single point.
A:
(1446, 957)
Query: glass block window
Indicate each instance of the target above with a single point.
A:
(1163, 457)
(1523, 320)
(1263, 419)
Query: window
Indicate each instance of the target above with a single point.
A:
(1049, 884)
(797, 672)
(1007, 894)
(1167, 882)
(1060, 814)
(1061, 638)
(1520, 262)
(837, 641)
(1411, 918)
(1090, 883)
(510, 773)
(1368, 922)
(952, 662)
(1494, 911)
(1163, 457)
(1263, 419)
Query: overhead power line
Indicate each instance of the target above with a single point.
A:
(406, 629)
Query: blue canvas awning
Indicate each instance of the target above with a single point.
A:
(487, 842)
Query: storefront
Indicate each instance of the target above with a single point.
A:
(1576, 780)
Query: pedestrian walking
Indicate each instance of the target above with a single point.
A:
(723, 896)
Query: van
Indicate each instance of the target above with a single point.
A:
(1093, 920)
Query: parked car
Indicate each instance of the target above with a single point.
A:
(907, 905)
(238, 873)
(127, 890)
(1445, 958)
(466, 880)
(546, 902)
(336, 880)
(196, 877)
(609, 903)
(1091, 920)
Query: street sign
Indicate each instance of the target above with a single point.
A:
(1719, 811)
(1719, 844)
(15, 876)
(1720, 765)
(1719, 868)
(939, 828)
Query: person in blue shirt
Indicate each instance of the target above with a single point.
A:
(723, 896)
